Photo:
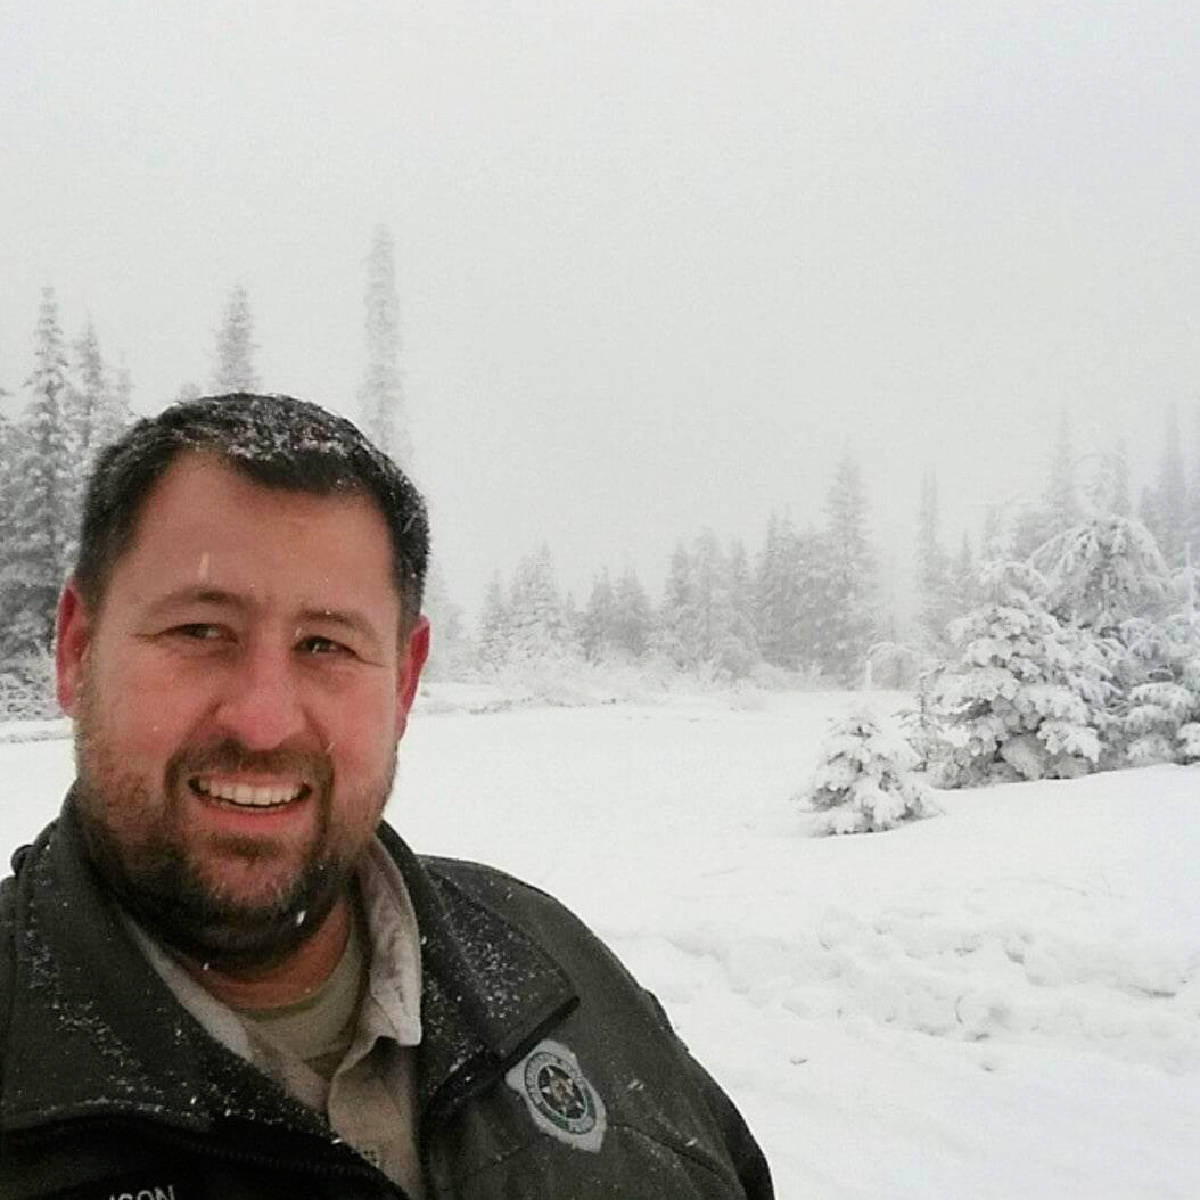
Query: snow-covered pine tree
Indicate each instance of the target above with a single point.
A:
(772, 580)
(845, 579)
(42, 523)
(633, 618)
(865, 779)
(1108, 581)
(1107, 490)
(450, 650)
(739, 650)
(85, 397)
(233, 370)
(95, 408)
(1104, 571)
(9, 455)
(381, 396)
(1036, 524)
(1193, 492)
(964, 585)
(537, 629)
(934, 588)
(677, 635)
(992, 542)
(495, 625)
(710, 581)
(597, 626)
(117, 413)
(1024, 696)
(1062, 501)
(1164, 507)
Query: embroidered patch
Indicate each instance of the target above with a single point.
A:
(560, 1100)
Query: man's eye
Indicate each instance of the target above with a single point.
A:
(322, 645)
(198, 632)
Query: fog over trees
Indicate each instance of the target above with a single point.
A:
(1061, 639)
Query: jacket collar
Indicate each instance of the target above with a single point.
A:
(94, 1030)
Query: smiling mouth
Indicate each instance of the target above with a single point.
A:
(244, 795)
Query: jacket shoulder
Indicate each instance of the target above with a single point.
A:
(543, 917)
(486, 882)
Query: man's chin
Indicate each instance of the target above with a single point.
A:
(232, 913)
(235, 931)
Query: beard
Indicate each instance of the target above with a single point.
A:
(137, 839)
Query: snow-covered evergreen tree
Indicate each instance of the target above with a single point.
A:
(537, 628)
(964, 583)
(43, 516)
(677, 636)
(234, 370)
(381, 398)
(495, 625)
(9, 456)
(739, 651)
(116, 415)
(1037, 524)
(86, 397)
(1108, 489)
(992, 543)
(1104, 571)
(1193, 492)
(1062, 501)
(450, 650)
(95, 412)
(1167, 505)
(597, 626)
(633, 617)
(865, 779)
(934, 588)
(777, 595)
(845, 579)
(1025, 695)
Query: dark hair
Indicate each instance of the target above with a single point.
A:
(276, 441)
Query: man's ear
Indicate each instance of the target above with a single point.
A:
(414, 650)
(73, 637)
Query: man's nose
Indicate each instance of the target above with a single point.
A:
(262, 706)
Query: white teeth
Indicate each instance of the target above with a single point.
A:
(248, 796)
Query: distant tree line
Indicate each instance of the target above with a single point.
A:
(804, 607)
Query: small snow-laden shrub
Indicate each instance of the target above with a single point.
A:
(865, 780)
(1025, 695)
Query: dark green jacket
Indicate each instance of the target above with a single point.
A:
(544, 1070)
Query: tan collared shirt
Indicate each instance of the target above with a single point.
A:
(370, 1100)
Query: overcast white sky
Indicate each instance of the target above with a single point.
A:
(659, 262)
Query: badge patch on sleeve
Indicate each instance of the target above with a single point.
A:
(560, 1100)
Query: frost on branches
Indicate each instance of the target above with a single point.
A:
(1024, 696)
(865, 780)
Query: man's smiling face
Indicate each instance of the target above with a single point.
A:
(238, 700)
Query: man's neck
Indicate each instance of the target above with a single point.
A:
(297, 976)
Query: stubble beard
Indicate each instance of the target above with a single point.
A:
(161, 880)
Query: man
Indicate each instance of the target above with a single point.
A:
(221, 975)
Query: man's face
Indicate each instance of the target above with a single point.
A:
(238, 700)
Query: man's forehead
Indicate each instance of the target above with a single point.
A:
(205, 514)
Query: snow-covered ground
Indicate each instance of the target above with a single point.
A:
(1002, 1001)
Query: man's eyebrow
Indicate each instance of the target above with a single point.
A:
(353, 621)
(198, 594)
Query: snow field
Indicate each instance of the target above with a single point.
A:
(1003, 1000)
